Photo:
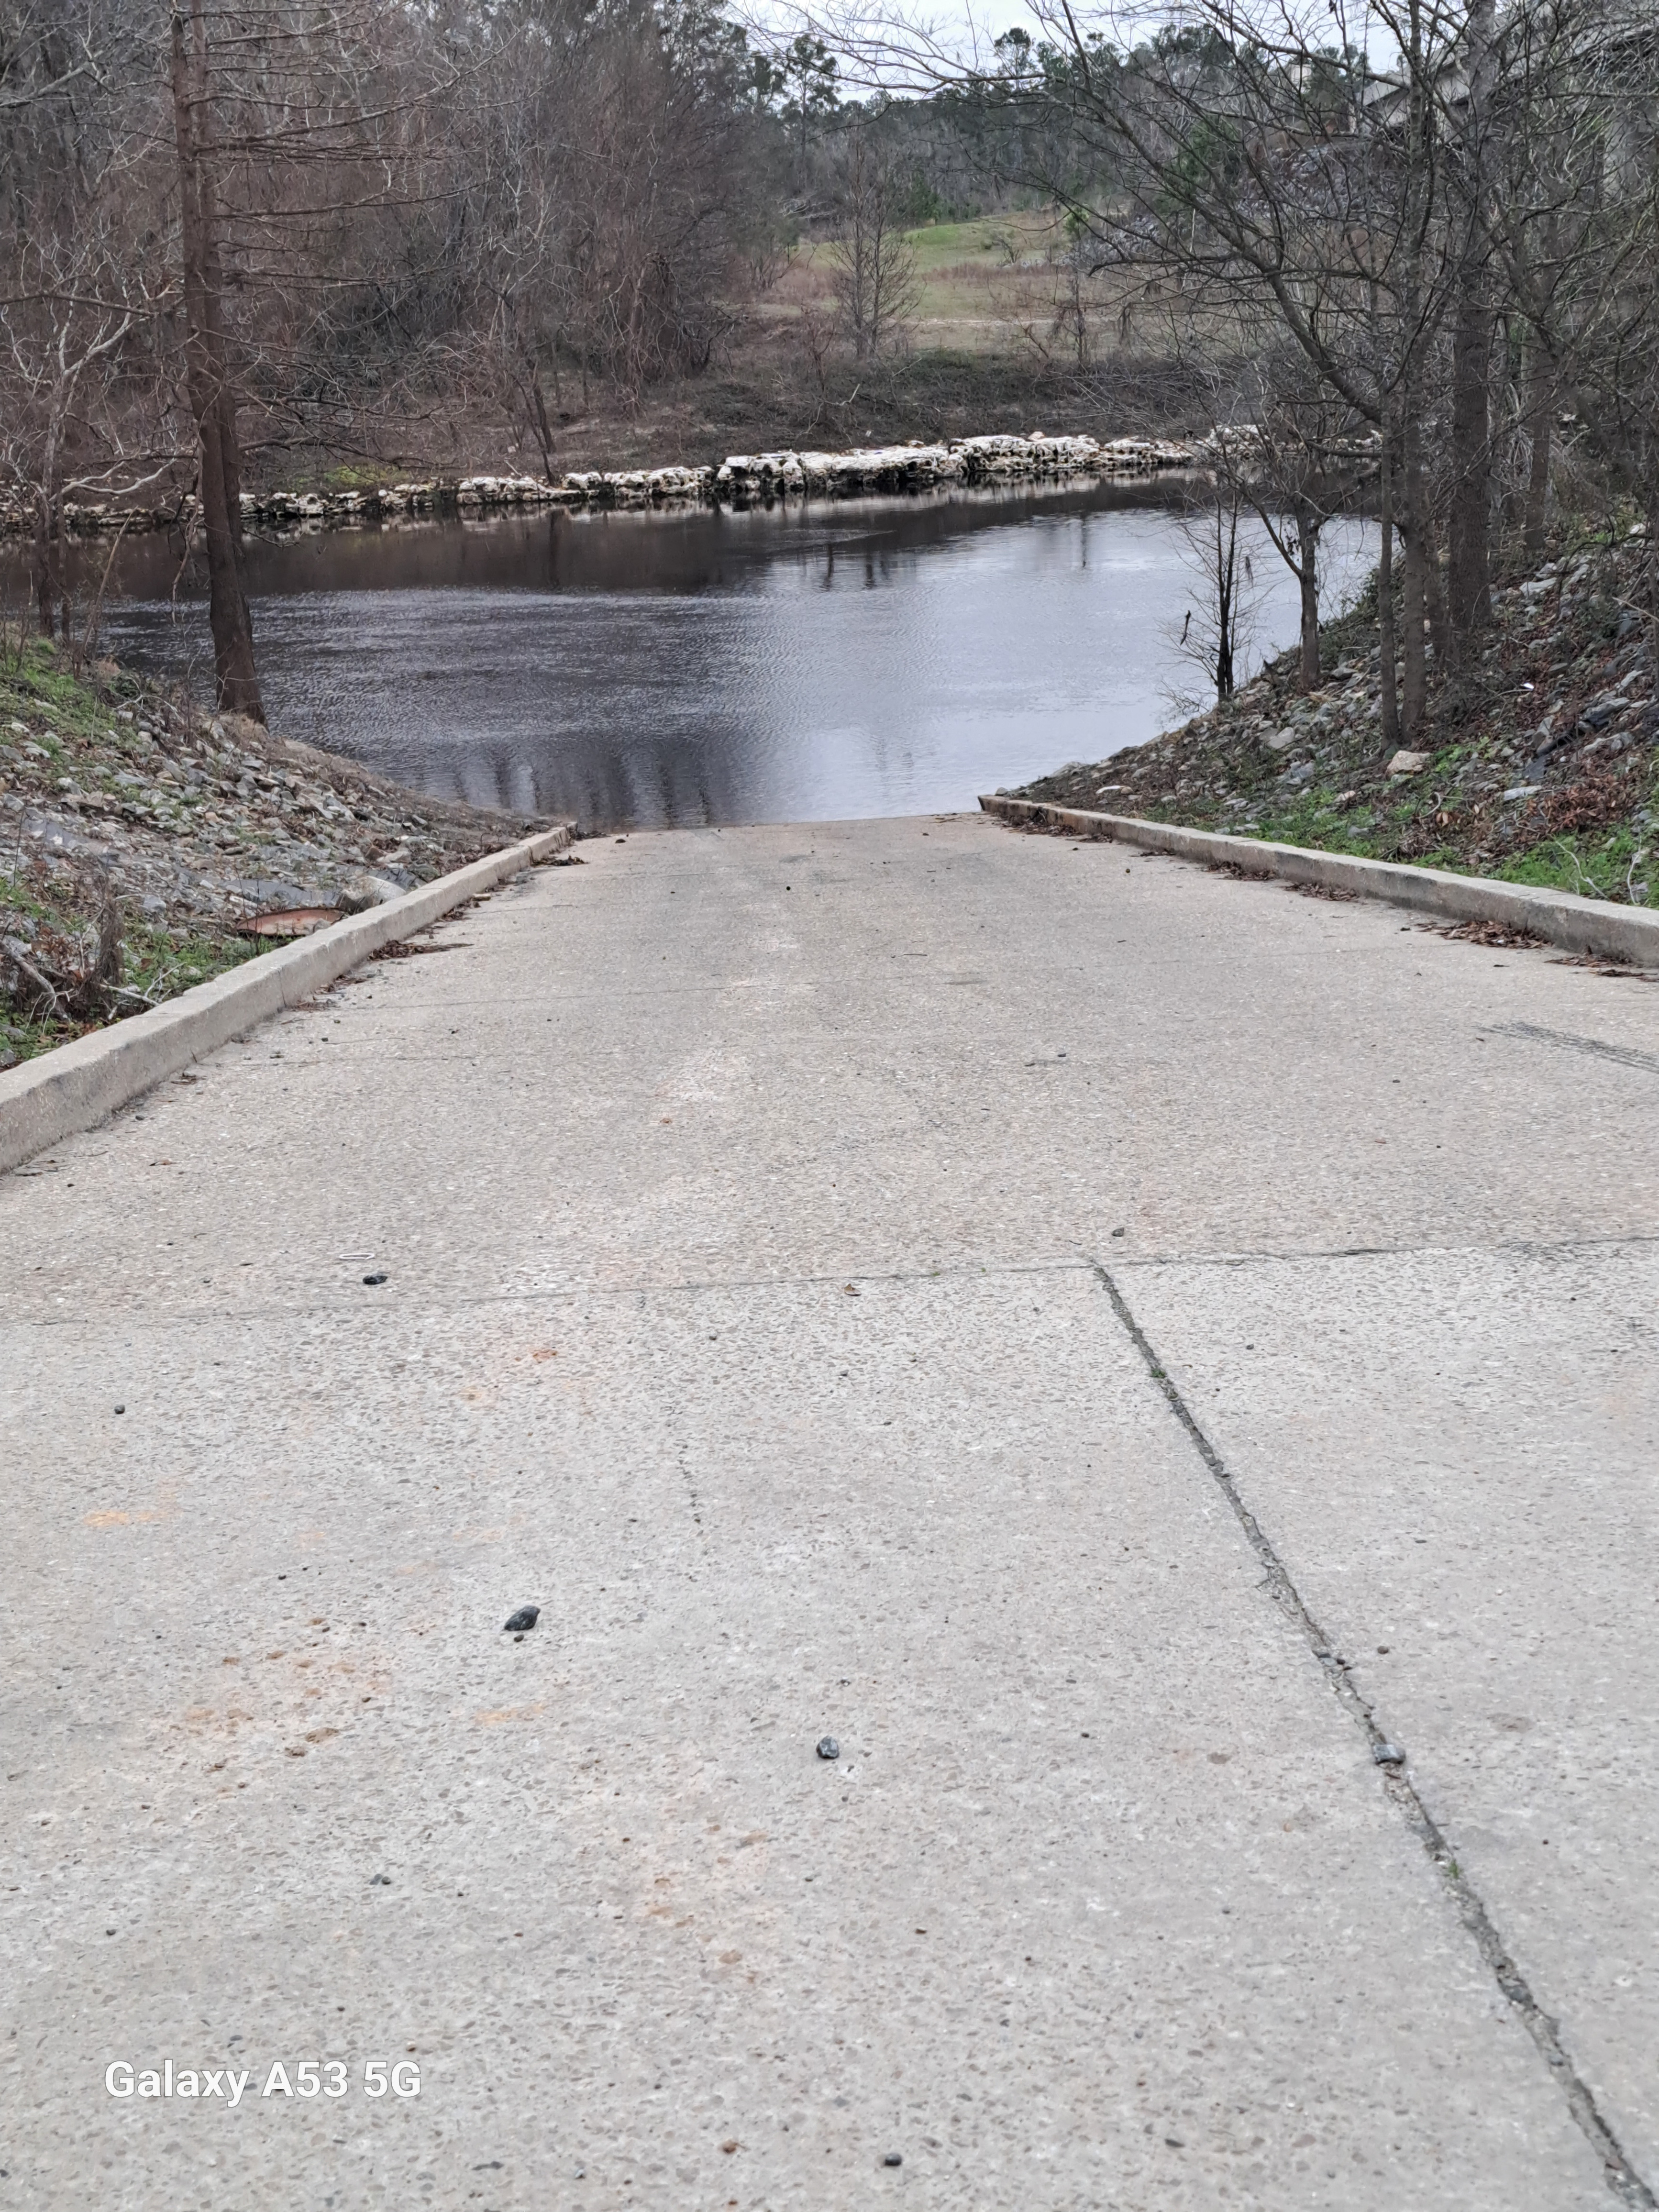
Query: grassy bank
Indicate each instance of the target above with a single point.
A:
(771, 396)
(138, 839)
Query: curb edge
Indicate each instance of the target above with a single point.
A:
(1577, 924)
(78, 1085)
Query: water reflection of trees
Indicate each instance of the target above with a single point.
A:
(691, 550)
(713, 667)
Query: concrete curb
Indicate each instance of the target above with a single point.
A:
(1578, 925)
(77, 1084)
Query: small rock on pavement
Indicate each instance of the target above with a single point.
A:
(828, 1747)
(1388, 1754)
(525, 1616)
(894, 2158)
(376, 1278)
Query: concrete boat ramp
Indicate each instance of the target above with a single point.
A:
(1160, 1369)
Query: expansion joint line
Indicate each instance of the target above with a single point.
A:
(1622, 2178)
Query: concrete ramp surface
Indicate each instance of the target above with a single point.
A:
(1125, 1352)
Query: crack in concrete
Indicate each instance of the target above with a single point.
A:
(430, 1301)
(1621, 2176)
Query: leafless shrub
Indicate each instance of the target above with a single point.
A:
(874, 267)
(1215, 634)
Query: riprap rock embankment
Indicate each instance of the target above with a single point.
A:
(740, 480)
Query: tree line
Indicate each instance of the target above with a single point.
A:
(1412, 258)
(233, 232)
(1416, 254)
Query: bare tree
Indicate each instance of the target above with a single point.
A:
(600, 207)
(873, 265)
(208, 373)
(62, 333)
(1215, 634)
(80, 297)
(1296, 454)
(1074, 264)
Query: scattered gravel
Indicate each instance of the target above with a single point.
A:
(113, 790)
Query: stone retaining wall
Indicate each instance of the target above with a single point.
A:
(740, 480)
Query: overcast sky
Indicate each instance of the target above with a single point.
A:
(906, 44)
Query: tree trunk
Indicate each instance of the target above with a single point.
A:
(1469, 552)
(1415, 690)
(1226, 546)
(1307, 543)
(46, 573)
(1541, 422)
(212, 403)
(1413, 581)
(543, 427)
(1421, 152)
(1434, 589)
(1388, 686)
(48, 551)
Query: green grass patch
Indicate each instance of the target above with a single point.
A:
(156, 962)
(998, 241)
(1618, 864)
(355, 475)
(53, 700)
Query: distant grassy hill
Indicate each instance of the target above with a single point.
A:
(987, 286)
(993, 346)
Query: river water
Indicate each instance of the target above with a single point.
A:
(822, 662)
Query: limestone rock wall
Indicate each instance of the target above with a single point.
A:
(740, 480)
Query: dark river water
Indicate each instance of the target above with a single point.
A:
(809, 663)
